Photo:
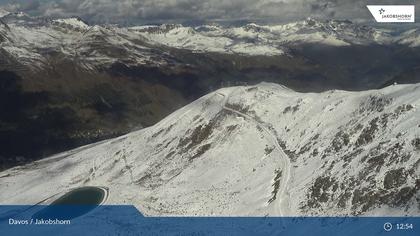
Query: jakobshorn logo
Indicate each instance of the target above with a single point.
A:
(381, 11)
(393, 13)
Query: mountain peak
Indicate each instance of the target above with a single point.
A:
(317, 22)
(251, 144)
(19, 14)
(74, 22)
(3, 12)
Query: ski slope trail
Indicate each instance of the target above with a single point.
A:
(282, 203)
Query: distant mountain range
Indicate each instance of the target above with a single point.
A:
(65, 83)
(33, 39)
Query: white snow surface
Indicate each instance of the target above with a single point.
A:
(74, 22)
(254, 39)
(34, 41)
(3, 12)
(410, 38)
(251, 151)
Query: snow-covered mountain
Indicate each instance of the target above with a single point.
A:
(410, 37)
(3, 12)
(255, 150)
(253, 39)
(36, 41)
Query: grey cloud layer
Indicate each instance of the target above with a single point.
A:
(163, 10)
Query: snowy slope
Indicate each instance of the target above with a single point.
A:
(216, 39)
(410, 38)
(3, 12)
(36, 41)
(260, 150)
(253, 39)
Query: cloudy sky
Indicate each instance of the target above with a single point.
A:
(143, 11)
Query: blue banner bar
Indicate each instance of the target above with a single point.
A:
(127, 220)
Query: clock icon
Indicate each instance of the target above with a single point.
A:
(387, 226)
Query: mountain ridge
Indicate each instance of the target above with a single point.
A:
(251, 39)
(83, 83)
(348, 153)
